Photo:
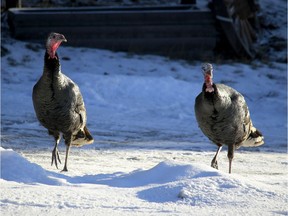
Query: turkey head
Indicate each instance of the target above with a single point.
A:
(53, 42)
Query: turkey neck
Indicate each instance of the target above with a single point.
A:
(210, 95)
(51, 66)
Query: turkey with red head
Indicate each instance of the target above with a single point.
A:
(58, 103)
(223, 116)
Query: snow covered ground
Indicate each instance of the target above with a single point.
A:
(149, 156)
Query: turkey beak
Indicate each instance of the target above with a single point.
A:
(63, 39)
(207, 73)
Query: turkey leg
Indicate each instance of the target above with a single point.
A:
(214, 162)
(55, 152)
(231, 149)
(68, 144)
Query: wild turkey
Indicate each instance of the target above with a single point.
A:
(223, 116)
(58, 103)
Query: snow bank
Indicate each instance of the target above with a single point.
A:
(168, 188)
(168, 181)
(16, 168)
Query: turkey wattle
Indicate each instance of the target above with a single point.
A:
(223, 116)
(58, 103)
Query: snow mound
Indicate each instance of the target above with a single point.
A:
(16, 168)
(218, 190)
(168, 181)
(196, 185)
(163, 173)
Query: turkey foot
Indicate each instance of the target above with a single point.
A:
(65, 169)
(55, 157)
(214, 163)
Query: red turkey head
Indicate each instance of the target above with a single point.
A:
(207, 70)
(53, 42)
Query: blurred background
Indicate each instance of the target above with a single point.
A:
(217, 29)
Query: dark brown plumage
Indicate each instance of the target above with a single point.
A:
(223, 116)
(58, 103)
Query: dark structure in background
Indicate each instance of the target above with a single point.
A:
(239, 23)
(180, 31)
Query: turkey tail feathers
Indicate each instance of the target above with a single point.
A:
(254, 139)
(83, 137)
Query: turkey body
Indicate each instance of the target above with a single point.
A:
(223, 116)
(58, 103)
(57, 100)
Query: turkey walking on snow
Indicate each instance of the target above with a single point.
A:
(58, 103)
(223, 116)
